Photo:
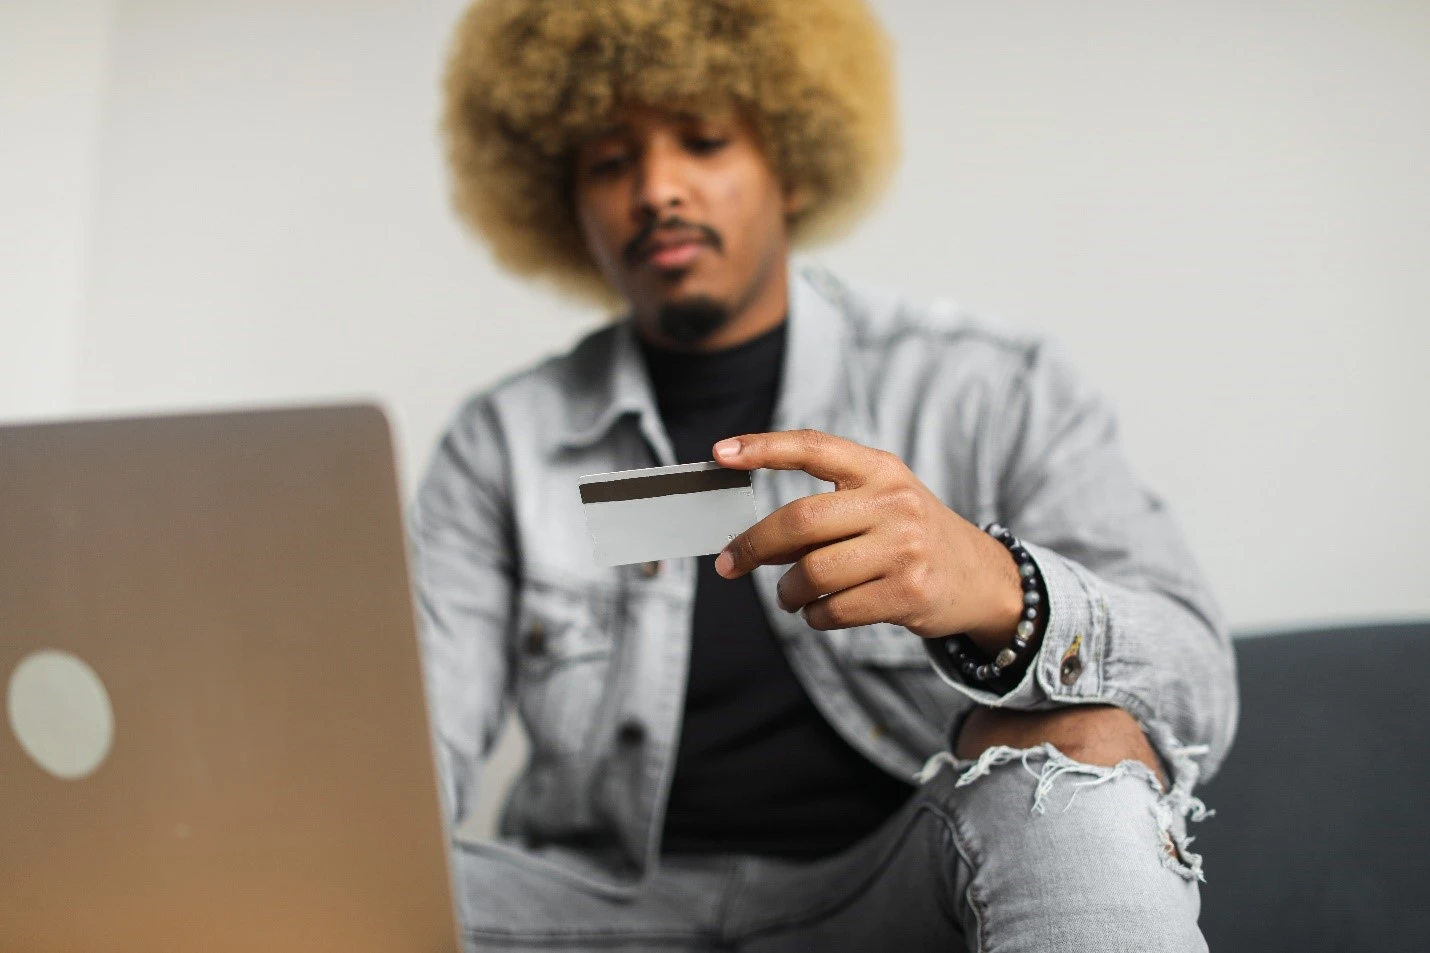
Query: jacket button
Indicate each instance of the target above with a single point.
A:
(650, 569)
(631, 733)
(534, 642)
(1071, 666)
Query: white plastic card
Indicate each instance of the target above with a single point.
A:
(690, 509)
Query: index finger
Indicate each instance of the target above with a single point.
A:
(842, 462)
(794, 529)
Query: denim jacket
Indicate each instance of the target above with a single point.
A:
(515, 612)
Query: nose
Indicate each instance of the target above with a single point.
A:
(661, 186)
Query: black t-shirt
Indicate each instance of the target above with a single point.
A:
(759, 769)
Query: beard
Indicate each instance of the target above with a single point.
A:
(692, 320)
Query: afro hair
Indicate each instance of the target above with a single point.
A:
(529, 79)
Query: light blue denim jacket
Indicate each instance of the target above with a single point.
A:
(993, 420)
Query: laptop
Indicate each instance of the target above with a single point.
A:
(214, 734)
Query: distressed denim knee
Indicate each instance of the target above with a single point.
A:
(1172, 808)
(1054, 853)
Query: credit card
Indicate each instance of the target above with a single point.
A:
(690, 509)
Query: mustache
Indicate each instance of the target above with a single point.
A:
(637, 245)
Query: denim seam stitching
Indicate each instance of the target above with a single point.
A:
(948, 880)
(963, 843)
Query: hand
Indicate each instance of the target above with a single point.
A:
(880, 548)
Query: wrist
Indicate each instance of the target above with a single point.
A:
(984, 657)
(1003, 599)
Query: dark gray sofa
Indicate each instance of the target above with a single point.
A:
(1321, 838)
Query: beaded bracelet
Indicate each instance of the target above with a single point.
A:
(1032, 581)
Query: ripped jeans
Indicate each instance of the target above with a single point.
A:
(1019, 850)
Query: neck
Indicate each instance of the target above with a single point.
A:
(760, 310)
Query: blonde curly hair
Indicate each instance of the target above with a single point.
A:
(527, 80)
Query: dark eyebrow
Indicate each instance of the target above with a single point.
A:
(606, 132)
(623, 128)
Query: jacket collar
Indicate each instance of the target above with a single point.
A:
(611, 379)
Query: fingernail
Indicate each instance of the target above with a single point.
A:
(724, 562)
(727, 449)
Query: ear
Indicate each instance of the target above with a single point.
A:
(796, 200)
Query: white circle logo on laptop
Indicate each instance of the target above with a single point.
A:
(61, 714)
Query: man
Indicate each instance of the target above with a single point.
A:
(869, 723)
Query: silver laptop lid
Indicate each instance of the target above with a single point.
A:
(215, 735)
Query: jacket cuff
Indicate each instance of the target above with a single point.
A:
(1069, 663)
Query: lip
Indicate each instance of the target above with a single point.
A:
(676, 254)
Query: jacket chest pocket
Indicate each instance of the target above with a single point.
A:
(882, 645)
(563, 660)
(894, 666)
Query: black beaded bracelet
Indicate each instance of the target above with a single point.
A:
(1032, 581)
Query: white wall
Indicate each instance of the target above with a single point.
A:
(272, 220)
(53, 66)
(1221, 207)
